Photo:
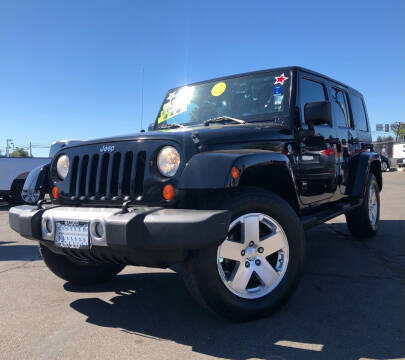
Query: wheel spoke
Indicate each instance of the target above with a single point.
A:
(231, 250)
(372, 195)
(30, 197)
(372, 204)
(251, 229)
(272, 243)
(266, 273)
(240, 277)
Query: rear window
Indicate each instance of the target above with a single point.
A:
(339, 108)
(359, 114)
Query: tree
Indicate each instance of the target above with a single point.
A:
(19, 152)
(388, 138)
(398, 129)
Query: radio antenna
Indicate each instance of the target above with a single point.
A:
(142, 81)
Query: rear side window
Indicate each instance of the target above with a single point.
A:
(359, 114)
(340, 108)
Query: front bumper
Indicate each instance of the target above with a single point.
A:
(141, 228)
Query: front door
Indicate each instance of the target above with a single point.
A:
(316, 173)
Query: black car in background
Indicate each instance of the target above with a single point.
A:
(385, 163)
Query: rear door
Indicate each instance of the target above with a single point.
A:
(344, 132)
(316, 170)
(360, 120)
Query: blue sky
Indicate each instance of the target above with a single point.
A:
(72, 69)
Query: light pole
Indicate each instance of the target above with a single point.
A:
(8, 147)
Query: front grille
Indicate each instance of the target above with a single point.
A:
(107, 176)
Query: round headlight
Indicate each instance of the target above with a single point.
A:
(62, 166)
(168, 161)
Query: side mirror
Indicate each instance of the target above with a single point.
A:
(151, 127)
(318, 113)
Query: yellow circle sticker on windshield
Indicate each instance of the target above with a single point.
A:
(218, 89)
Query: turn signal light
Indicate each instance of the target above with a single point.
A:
(235, 172)
(55, 192)
(168, 192)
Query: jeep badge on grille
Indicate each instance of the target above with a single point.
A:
(107, 148)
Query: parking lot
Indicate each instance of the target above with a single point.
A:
(350, 304)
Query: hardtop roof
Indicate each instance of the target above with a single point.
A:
(293, 68)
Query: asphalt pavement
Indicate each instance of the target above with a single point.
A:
(350, 304)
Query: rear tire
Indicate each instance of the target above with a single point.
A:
(210, 280)
(363, 221)
(76, 271)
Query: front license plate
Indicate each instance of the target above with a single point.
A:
(72, 234)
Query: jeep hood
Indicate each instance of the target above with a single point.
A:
(204, 135)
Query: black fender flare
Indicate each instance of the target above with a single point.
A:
(360, 167)
(21, 176)
(38, 179)
(212, 169)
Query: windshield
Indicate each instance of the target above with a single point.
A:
(251, 98)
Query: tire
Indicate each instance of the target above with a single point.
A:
(385, 166)
(205, 272)
(17, 196)
(76, 271)
(361, 222)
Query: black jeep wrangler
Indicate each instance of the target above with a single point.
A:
(224, 183)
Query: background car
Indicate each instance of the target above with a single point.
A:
(13, 173)
(385, 163)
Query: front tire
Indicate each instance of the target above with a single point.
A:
(385, 166)
(255, 270)
(363, 221)
(76, 271)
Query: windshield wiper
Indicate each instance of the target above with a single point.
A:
(172, 126)
(264, 120)
(223, 119)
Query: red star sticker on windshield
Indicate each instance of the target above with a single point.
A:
(280, 79)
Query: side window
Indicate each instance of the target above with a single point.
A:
(310, 91)
(359, 115)
(339, 108)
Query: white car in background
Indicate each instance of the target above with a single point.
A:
(13, 172)
(398, 153)
(16, 186)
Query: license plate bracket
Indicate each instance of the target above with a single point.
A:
(72, 234)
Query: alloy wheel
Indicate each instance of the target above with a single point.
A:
(30, 197)
(372, 205)
(253, 259)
